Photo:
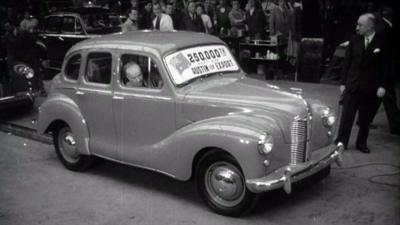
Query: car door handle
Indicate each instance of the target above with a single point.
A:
(62, 39)
(79, 92)
(118, 97)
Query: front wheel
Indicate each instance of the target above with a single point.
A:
(67, 151)
(221, 184)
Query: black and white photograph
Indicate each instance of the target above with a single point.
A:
(199, 112)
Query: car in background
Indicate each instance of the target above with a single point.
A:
(19, 89)
(61, 30)
(179, 104)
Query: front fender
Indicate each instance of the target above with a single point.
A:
(238, 135)
(58, 108)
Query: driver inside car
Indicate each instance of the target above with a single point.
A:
(134, 75)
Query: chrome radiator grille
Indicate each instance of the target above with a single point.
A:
(298, 146)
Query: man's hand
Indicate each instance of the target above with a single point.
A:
(381, 92)
(342, 88)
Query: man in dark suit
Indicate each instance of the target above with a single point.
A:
(256, 21)
(385, 27)
(146, 17)
(364, 79)
(190, 21)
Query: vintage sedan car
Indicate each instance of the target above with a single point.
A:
(195, 114)
(19, 90)
(63, 29)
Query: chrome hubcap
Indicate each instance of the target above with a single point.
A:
(225, 184)
(68, 146)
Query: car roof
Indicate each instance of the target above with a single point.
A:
(80, 10)
(160, 41)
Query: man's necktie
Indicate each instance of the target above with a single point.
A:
(366, 42)
(158, 20)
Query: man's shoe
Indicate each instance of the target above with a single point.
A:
(364, 149)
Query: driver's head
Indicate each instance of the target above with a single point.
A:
(133, 74)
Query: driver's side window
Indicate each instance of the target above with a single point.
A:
(140, 72)
(53, 25)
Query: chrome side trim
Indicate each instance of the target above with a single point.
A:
(135, 165)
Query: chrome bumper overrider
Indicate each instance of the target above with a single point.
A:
(285, 176)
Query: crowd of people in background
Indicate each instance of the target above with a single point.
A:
(234, 18)
(332, 20)
(290, 20)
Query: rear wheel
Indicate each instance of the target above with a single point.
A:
(67, 151)
(221, 184)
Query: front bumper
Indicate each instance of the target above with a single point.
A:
(285, 176)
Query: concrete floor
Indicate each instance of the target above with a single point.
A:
(36, 189)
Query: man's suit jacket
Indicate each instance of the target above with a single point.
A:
(279, 22)
(256, 22)
(387, 31)
(365, 69)
(146, 20)
(166, 23)
(192, 25)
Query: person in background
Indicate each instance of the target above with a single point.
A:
(131, 23)
(294, 31)
(255, 20)
(208, 26)
(279, 20)
(384, 26)
(237, 17)
(190, 21)
(146, 21)
(174, 14)
(162, 4)
(364, 80)
(134, 4)
(210, 10)
(267, 6)
(29, 21)
(161, 21)
(223, 24)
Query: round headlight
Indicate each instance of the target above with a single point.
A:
(24, 70)
(265, 144)
(29, 74)
(328, 117)
(331, 120)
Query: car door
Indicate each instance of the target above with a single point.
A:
(145, 115)
(94, 97)
(50, 37)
